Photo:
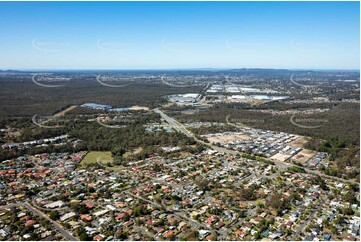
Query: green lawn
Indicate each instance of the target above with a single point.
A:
(103, 157)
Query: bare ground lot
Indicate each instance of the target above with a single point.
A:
(304, 156)
(280, 157)
(227, 138)
(138, 108)
(300, 141)
(62, 113)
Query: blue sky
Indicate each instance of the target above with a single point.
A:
(166, 35)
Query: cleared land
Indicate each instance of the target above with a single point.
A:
(304, 156)
(138, 108)
(129, 153)
(280, 157)
(300, 141)
(62, 113)
(226, 138)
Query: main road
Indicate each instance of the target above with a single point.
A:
(56, 225)
(180, 127)
(36, 211)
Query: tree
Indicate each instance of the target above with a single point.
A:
(319, 181)
(54, 215)
(242, 213)
(275, 201)
(118, 151)
(348, 211)
(202, 183)
(260, 204)
(83, 210)
(84, 237)
(350, 197)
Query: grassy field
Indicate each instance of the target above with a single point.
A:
(103, 157)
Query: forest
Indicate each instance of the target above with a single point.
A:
(335, 130)
(25, 98)
(339, 136)
(95, 137)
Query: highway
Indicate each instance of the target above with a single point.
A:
(37, 212)
(180, 127)
(56, 225)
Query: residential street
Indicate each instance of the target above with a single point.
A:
(178, 126)
(58, 227)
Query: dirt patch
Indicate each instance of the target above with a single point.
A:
(299, 142)
(227, 138)
(304, 156)
(62, 113)
(280, 157)
(138, 108)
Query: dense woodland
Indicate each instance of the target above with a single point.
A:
(339, 136)
(25, 98)
(99, 138)
(341, 121)
(21, 98)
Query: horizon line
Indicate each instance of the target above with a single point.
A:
(176, 69)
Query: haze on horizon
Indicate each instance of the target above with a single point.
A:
(179, 35)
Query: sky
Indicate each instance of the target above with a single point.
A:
(179, 35)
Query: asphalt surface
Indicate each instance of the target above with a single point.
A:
(56, 225)
(178, 126)
(36, 211)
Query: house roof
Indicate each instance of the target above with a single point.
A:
(240, 233)
(88, 204)
(169, 233)
(120, 216)
(86, 217)
(98, 237)
(29, 223)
